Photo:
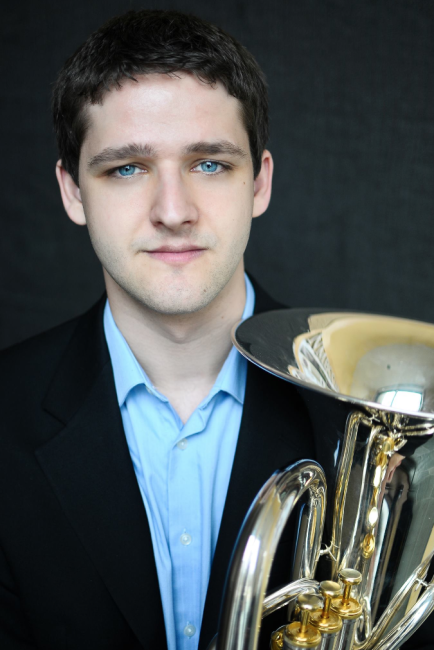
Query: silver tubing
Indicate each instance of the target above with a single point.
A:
(280, 598)
(346, 635)
(329, 641)
(351, 430)
(287, 594)
(380, 628)
(411, 621)
(350, 558)
(256, 546)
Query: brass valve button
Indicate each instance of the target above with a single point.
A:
(350, 576)
(301, 634)
(329, 589)
(347, 607)
(326, 621)
(309, 602)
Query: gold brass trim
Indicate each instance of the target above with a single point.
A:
(348, 608)
(326, 621)
(276, 642)
(330, 625)
(299, 637)
(368, 546)
(301, 634)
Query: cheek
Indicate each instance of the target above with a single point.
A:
(235, 229)
(240, 206)
(234, 201)
(112, 214)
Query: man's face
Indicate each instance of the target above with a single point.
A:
(167, 190)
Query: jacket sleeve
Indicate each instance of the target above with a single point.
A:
(14, 628)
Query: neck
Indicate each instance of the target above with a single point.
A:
(182, 354)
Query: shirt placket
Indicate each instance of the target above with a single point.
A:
(185, 527)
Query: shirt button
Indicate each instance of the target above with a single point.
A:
(182, 444)
(185, 541)
(189, 630)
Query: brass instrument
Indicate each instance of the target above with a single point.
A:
(368, 382)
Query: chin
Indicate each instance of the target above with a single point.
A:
(176, 302)
(176, 294)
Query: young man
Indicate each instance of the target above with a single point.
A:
(135, 437)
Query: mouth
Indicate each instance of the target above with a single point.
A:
(175, 254)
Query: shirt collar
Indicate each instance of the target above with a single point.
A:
(126, 369)
(128, 373)
(232, 377)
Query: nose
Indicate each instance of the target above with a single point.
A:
(173, 206)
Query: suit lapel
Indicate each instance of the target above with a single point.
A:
(89, 468)
(256, 458)
(262, 447)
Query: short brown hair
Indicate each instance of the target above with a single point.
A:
(143, 42)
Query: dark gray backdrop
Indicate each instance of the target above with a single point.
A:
(352, 133)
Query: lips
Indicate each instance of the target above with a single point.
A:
(176, 255)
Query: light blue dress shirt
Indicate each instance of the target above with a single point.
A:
(183, 472)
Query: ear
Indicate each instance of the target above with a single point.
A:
(262, 185)
(70, 194)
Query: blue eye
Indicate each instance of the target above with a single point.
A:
(209, 166)
(127, 170)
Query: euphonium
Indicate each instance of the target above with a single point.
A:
(368, 382)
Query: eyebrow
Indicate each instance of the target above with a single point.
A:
(112, 154)
(213, 148)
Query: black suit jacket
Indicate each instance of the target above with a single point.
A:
(77, 568)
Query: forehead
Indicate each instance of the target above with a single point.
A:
(166, 111)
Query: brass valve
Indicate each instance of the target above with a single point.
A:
(325, 620)
(347, 607)
(301, 634)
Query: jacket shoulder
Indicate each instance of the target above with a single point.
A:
(34, 354)
(28, 370)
